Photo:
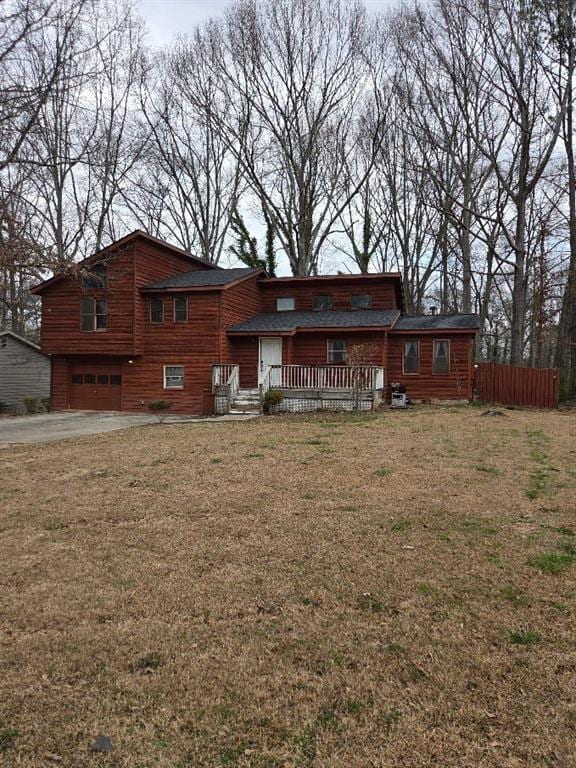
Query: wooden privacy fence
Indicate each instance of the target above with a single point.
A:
(511, 385)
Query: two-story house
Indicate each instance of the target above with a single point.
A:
(147, 321)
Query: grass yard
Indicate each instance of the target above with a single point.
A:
(371, 591)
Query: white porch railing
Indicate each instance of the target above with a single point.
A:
(323, 377)
(226, 376)
(222, 373)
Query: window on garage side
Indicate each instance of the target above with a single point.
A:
(93, 315)
(156, 310)
(173, 377)
(180, 310)
(411, 363)
(441, 362)
(337, 352)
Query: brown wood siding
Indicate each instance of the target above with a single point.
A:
(382, 291)
(238, 303)
(312, 348)
(59, 383)
(153, 263)
(61, 332)
(425, 385)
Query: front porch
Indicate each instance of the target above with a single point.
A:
(303, 388)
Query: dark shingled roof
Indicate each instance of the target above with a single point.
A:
(431, 322)
(199, 278)
(291, 320)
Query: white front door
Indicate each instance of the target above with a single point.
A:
(270, 354)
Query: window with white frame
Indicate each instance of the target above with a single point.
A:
(337, 352)
(180, 310)
(173, 377)
(93, 315)
(411, 362)
(285, 303)
(441, 362)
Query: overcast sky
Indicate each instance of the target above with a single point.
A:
(166, 18)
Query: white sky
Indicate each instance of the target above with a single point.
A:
(166, 18)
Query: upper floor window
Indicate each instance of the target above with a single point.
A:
(337, 352)
(411, 363)
(93, 315)
(322, 302)
(180, 310)
(361, 301)
(284, 303)
(96, 277)
(441, 361)
(156, 310)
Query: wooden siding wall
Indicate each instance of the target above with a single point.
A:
(382, 292)
(61, 332)
(238, 303)
(153, 263)
(24, 372)
(312, 348)
(60, 382)
(457, 385)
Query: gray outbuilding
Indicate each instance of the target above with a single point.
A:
(24, 372)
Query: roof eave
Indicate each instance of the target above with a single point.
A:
(188, 288)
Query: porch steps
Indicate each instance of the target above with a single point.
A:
(246, 401)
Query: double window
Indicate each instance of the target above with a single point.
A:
(173, 377)
(180, 310)
(440, 356)
(337, 352)
(93, 314)
(285, 303)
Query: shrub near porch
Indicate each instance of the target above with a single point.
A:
(347, 590)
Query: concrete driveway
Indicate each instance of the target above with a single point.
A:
(49, 427)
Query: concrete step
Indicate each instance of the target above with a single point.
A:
(244, 405)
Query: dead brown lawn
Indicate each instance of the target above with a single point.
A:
(319, 591)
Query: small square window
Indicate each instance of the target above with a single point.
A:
(103, 379)
(89, 378)
(173, 377)
(77, 378)
(157, 310)
(361, 301)
(285, 303)
(411, 362)
(337, 352)
(180, 310)
(441, 363)
(96, 277)
(115, 379)
(322, 302)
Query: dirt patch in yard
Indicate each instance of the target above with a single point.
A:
(391, 590)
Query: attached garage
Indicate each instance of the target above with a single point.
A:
(95, 387)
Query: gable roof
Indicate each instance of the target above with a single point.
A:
(136, 234)
(291, 320)
(203, 279)
(433, 322)
(22, 340)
